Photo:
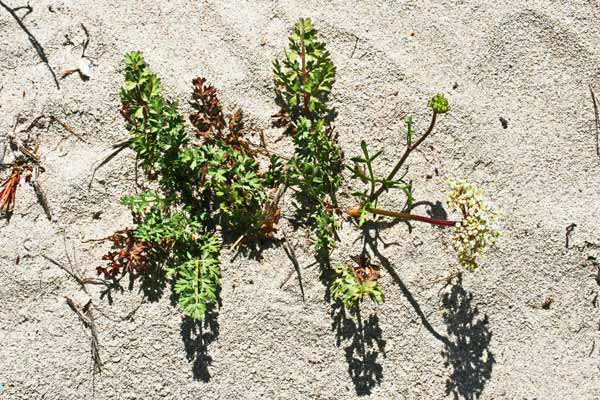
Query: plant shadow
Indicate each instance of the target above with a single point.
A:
(468, 354)
(196, 337)
(363, 337)
(466, 346)
(34, 42)
(252, 248)
(152, 284)
(371, 243)
(365, 345)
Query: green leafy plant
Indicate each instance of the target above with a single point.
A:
(303, 81)
(210, 182)
(355, 282)
(234, 190)
(363, 169)
(470, 236)
(203, 183)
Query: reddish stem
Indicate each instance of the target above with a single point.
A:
(412, 217)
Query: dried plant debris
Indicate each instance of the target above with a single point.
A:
(84, 64)
(597, 119)
(84, 311)
(128, 255)
(547, 302)
(26, 163)
(8, 187)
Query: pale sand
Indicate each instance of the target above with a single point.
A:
(529, 62)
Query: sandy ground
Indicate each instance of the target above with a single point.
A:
(529, 62)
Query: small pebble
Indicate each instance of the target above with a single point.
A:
(504, 122)
(85, 67)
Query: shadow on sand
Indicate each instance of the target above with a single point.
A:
(468, 354)
(466, 345)
(364, 346)
(196, 337)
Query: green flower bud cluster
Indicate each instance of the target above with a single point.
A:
(472, 236)
(439, 104)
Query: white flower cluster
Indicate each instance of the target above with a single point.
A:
(475, 233)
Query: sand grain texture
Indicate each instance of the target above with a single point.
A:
(529, 62)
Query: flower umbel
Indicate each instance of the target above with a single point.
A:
(476, 231)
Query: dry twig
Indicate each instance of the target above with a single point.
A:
(84, 312)
(597, 116)
(119, 147)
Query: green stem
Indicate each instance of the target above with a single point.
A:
(371, 177)
(197, 295)
(305, 95)
(407, 152)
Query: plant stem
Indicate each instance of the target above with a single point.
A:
(306, 95)
(409, 149)
(412, 217)
(371, 176)
(197, 295)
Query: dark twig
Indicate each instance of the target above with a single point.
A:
(68, 129)
(85, 313)
(87, 40)
(52, 118)
(568, 233)
(86, 316)
(36, 45)
(354, 49)
(289, 251)
(119, 147)
(41, 196)
(33, 123)
(95, 345)
(76, 307)
(35, 162)
(597, 115)
(27, 7)
(263, 141)
(68, 271)
(17, 145)
(32, 165)
(81, 281)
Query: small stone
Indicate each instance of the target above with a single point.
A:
(85, 67)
